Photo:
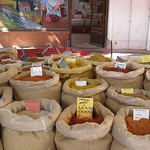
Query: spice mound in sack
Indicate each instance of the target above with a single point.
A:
(96, 119)
(99, 58)
(137, 96)
(6, 62)
(1, 71)
(35, 78)
(138, 127)
(35, 60)
(118, 69)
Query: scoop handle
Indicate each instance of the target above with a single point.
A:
(22, 50)
(58, 52)
(48, 46)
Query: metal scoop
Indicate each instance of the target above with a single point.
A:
(120, 59)
(62, 63)
(24, 57)
(42, 54)
(67, 51)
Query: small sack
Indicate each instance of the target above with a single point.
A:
(147, 81)
(69, 95)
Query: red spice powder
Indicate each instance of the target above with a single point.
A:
(138, 127)
(118, 69)
(35, 78)
(76, 120)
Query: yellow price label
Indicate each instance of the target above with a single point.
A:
(145, 58)
(84, 107)
(128, 91)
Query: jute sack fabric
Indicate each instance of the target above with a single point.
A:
(11, 51)
(29, 131)
(117, 146)
(1, 146)
(83, 70)
(126, 138)
(86, 136)
(133, 79)
(50, 89)
(146, 82)
(69, 95)
(6, 96)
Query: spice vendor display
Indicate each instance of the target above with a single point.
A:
(95, 89)
(115, 99)
(85, 136)
(131, 77)
(82, 70)
(29, 131)
(123, 138)
(146, 82)
(46, 86)
(9, 51)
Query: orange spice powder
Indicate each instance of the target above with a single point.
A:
(118, 69)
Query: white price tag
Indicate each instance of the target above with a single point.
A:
(36, 71)
(140, 113)
(81, 83)
(121, 65)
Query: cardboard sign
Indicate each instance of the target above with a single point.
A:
(145, 58)
(33, 106)
(6, 57)
(84, 107)
(36, 71)
(32, 57)
(121, 65)
(81, 83)
(127, 90)
(140, 113)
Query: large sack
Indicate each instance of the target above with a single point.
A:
(1, 146)
(6, 96)
(69, 95)
(83, 70)
(86, 136)
(29, 131)
(133, 79)
(50, 89)
(11, 51)
(117, 146)
(147, 81)
(126, 138)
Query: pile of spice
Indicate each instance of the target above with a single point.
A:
(118, 69)
(35, 60)
(137, 96)
(99, 58)
(138, 127)
(7, 62)
(35, 78)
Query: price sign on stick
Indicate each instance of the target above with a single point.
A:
(140, 113)
(84, 107)
(127, 90)
(120, 65)
(81, 83)
(33, 106)
(36, 71)
(145, 58)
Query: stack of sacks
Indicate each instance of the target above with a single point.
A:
(27, 87)
(29, 131)
(11, 51)
(131, 77)
(85, 136)
(146, 82)
(95, 89)
(115, 100)
(82, 70)
(130, 134)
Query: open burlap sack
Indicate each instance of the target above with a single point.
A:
(83, 70)
(86, 136)
(11, 51)
(29, 131)
(50, 89)
(126, 138)
(69, 95)
(146, 82)
(6, 96)
(133, 79)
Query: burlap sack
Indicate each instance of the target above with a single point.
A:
(11, 51)
(84, 71)
(117, 146)
(1, 146)
(69, 95)
(86, 136)
(126, 138)
(6, 96)
(29, 131)
(50, 89)
(146, 82)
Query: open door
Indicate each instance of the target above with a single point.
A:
(97, 35)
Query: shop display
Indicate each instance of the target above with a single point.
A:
(132, 79)
(146, 82)
(123, 138)
(95, 89)
(50, 88)
(34, 131)
(83, 70)
(89, 135)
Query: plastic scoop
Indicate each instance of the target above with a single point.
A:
(24, 57)
(42, 54)
(62, 63)
(67, 51)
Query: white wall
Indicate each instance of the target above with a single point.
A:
(128, 23)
